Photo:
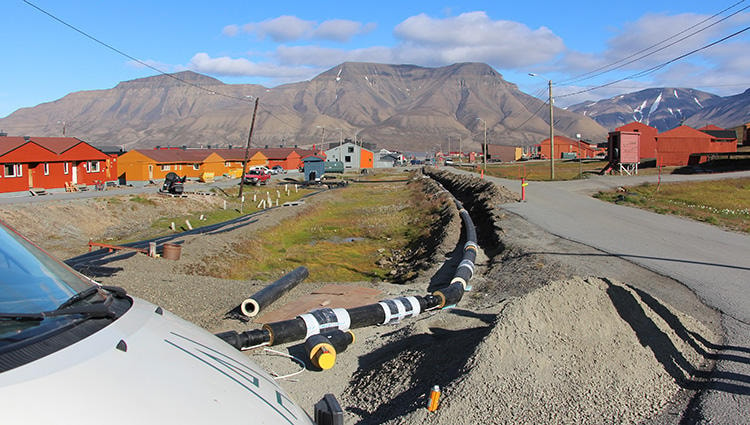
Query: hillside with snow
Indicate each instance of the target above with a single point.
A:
(663, 108)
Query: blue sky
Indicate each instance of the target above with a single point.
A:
(272, 43)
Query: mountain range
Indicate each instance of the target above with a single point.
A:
(402, 107)
(667, 107)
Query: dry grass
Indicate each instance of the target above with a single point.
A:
(341, 240)
(721, 202)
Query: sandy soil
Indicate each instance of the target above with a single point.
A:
(540, 338)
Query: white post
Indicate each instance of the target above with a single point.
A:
(171, 226)
(188, 225)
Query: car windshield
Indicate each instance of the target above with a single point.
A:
(30, 280)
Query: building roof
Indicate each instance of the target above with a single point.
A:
(177, 155)
(10, 143)
(57, 145)
(236, 154)
(721, 134)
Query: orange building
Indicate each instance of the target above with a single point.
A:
(679, 145)
(154, 164)
(366, 158)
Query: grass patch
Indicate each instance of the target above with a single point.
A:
(720, 202)
(340, 240)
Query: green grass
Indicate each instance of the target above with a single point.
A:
(340, 240)
(722, 203)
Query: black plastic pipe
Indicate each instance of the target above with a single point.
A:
(263, 298)
(387, 311)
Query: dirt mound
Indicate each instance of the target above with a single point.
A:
(576, 351)
(64, 227)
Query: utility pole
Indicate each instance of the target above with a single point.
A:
(247, 148)
(551, 136)
(484, 148)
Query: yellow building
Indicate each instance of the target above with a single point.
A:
(144, 165)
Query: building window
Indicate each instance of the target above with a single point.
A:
(66, 167)
(13, 170)
(165, 167)
(178, 167)
(347, 158)
(226, 164)
(92, 166)
(351, 149)
(196, 167)
(45, 167)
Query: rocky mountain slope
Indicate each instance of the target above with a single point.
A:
(664, 108)
(728, 112)
(403, 107)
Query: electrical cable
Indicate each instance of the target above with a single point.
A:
(120, 52)
(279, 353)
(657, 67)
(589, 75)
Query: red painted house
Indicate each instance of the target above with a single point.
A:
(674, 147)
(647, 139)
(563, 144)
(51, 163)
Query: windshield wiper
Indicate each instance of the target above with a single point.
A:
(90, 311)
(98, 310)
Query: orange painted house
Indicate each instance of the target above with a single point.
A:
(51, 163)
(675, 146)
(648, 137)
(144, 165)
(233, 159)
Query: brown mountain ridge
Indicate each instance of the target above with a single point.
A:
(403, 107)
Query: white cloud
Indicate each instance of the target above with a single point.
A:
(340, 30)
(281, 29)
(474, 37)
(230, 30)
(328, 57)
(203, 63)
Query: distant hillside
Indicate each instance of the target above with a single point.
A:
(404, 107)
(663, 108)
(728, 112)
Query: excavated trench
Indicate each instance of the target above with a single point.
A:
(528, 347)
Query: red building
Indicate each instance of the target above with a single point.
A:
(675, 147)
(581, 148)
(51, 163)
(647, 139)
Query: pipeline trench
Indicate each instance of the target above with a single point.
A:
(530, 341)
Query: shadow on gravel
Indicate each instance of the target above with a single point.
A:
(650, 335)
(422, 360)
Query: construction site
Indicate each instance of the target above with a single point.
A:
(508, 334)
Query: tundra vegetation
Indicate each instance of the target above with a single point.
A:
(720, 202)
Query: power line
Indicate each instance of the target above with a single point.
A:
(610, 67)
(657, 67)
(120, 52)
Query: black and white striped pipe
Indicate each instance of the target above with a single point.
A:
(384, 312)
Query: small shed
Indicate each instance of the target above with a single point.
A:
(314, 167)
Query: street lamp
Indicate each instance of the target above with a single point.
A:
(484, 148)
(551, 131)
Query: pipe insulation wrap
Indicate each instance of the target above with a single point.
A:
(325, 319)
(399, 308)
(263, 298)
(471, 245)
(468, 264)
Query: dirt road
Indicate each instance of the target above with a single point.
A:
(711, 262)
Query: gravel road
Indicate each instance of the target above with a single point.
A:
(711, 262)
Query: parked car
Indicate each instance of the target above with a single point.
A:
(256, 176)
(62, 335)
(278, 169)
